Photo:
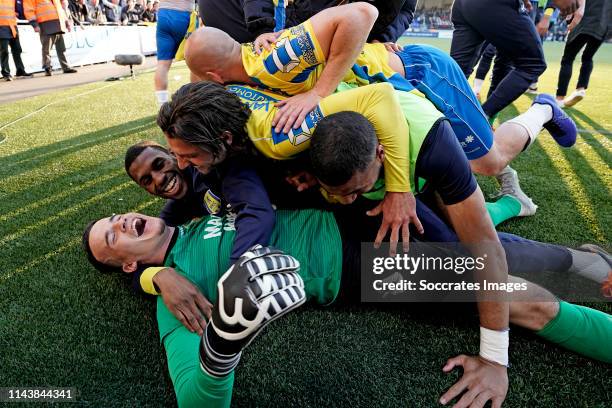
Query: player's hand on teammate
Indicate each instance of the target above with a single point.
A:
(302, 180)
(261, 286)
(183, 299)
(265, 41)
(390, 46)
(292, 111)
(399, 211)
(482, 381)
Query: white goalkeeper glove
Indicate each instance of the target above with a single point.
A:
(259, 288)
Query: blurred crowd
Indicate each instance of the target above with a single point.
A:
(440, 19)
(113, 11)
(437, 18)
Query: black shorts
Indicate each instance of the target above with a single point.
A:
(444, 166)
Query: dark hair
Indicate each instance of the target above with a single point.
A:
(102, 267)
(200, 112)
(134, 151)
(342, 144)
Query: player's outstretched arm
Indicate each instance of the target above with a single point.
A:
(341, 33)
(259, 288)
(485, 377)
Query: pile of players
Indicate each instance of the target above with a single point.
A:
(379, 137)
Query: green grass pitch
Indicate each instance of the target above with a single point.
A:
(63, 324)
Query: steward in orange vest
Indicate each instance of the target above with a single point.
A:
(48, 15)
(8, 19)
(9, 37)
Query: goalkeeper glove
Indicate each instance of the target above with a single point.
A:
(259, 288)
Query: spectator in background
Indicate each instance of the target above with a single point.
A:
(80, 12)
(112, 11)
(9, 36)
(595, 27)
(96, 12)
(132, 13)
(149, 15)
(48, 17)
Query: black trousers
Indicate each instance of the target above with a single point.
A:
(569, 55)
(507, 25)
(15, 50)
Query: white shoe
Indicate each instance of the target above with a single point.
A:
(509, 185)
(575, 97)
(533, 89)
(560, 103)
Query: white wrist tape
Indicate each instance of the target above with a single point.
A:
(494, 345)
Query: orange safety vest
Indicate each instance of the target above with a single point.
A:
(7, 15)
(45, 10)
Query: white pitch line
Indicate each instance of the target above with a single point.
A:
(52, 103)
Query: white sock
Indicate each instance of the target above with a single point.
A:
(589, 265)
(534, 119)
(162, 97)
(477, 85)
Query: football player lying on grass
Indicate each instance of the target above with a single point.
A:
(195, 124)
(310, 60)
(236, 185)
(263, 284)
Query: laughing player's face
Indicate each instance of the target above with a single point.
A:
(127, 239)
(188, 154)
(157, 172)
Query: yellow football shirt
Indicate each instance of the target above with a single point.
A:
(378, 103)
(294, 63)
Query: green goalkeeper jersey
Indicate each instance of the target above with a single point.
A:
(203, 247)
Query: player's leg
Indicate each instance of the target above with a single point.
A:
(516, 134)
(501, 68)
(499, 23)
(466, 41)
(578, 328)
(440, 79)
(171, 28)
(486, 59)
(193, 386)
(572, 48)
(161, 80)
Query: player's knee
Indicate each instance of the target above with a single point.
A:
(533, 69)
(487, 166)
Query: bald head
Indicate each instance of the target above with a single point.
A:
(211, 52)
